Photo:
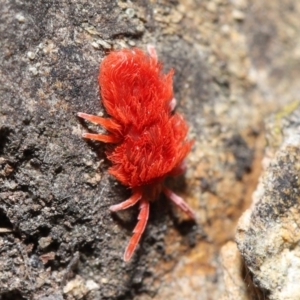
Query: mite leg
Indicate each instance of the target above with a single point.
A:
(179, 202)
(173, 104)
(138, 230)
(151, 50)
(128, 203)
(101, 137)
(107, 123)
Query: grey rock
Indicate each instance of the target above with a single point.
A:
(268, 233)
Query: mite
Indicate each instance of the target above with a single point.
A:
(146, 139)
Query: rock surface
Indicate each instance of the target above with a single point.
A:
(235, 63)
(235, 285)
(268, 233)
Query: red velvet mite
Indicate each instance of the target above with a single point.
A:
(147, 139)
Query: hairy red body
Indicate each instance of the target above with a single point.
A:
(148, 141)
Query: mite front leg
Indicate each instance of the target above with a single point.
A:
(101, 137)
(151, 50)
(109, 124)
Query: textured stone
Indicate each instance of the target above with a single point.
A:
(76, 287)
(235, 286)
(229, 76)
(268, 233)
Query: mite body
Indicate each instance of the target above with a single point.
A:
(147, 140)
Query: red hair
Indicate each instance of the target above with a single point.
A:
(147, 140)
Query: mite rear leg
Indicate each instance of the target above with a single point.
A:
(179, 202)
(138, 230)
(128, 203)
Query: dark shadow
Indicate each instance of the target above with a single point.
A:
(253, 291)
(4, 220)
(12, 295)
(4, 133)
